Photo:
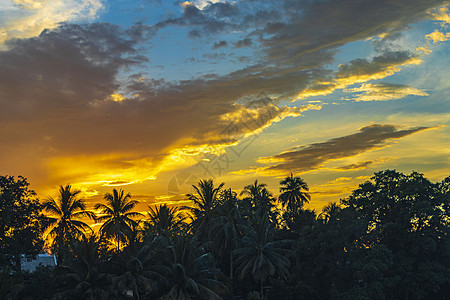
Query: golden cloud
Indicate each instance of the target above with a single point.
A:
(28, 18)
(360, 71)
(383, 92)
(437, 36)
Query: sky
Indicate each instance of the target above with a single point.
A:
(151, 96)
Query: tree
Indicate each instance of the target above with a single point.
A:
(20, 221)
(205, 200)
(167, 221)
(253, 192)
(293, 193)
(63, 223)
(329, 212)
(82, 278)
(224, 230)
(117, 216)
(407, 214)
(188, 272)
(260, 256)
(260, 199)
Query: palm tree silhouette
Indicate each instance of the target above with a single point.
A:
(329, 212)
(293, 192)
(187, 272)
(205, 200)
(82, 278)
(252, 192)
(64, 222)
(165, 220)
(260, 256)
(117, 215)
(224, 230)
(260, 200)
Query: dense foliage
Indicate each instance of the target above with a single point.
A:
(388, 240)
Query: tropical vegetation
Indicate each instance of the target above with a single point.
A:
(389, 239)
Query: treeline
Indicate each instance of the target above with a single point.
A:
(388, 240)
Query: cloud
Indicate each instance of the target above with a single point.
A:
(220, 44)
(306, 158)
(247, 42)
(356, 166)
(441, 14)
(28, 18)
(68, 99)
(359, 71)
(60, 97)
(383, 92)
(437, 36)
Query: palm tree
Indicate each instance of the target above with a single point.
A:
(329, 212)
(260, 256)
(82, 278)
(64, 222)
(205, 200)
(117, 215)
(224, 230)
(253, 192)
(293, 192)
(260, 199)
(187, 272)
(166, 220)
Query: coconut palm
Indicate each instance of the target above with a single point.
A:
(63, 223)
(82, 278)
(329, 212)
(117, 216)
(259, 256)
(252, 192)
(260, 200)
(188, 272)
(224, 230)
(166, 220)
(293, 193)
(205, 200)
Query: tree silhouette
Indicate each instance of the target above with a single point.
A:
(329, 212)
(167, 221)
(205, 200)
(260, 256)
(224, 230)
(260, 200)
(293, 193)
(117, 215)
(20, 221)
(63, 223)
(189, 272)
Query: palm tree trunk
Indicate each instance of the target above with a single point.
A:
(231, 272)
(261, 291)
(231, 265)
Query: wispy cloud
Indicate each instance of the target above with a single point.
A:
(314, 156)
(383, 92)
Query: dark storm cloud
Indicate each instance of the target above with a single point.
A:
(310, 157)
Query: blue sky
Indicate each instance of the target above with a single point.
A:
(150, 96)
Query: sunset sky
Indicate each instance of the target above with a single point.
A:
(151, 96)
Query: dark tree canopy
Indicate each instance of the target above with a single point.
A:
(388, 240)
(20, 226)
